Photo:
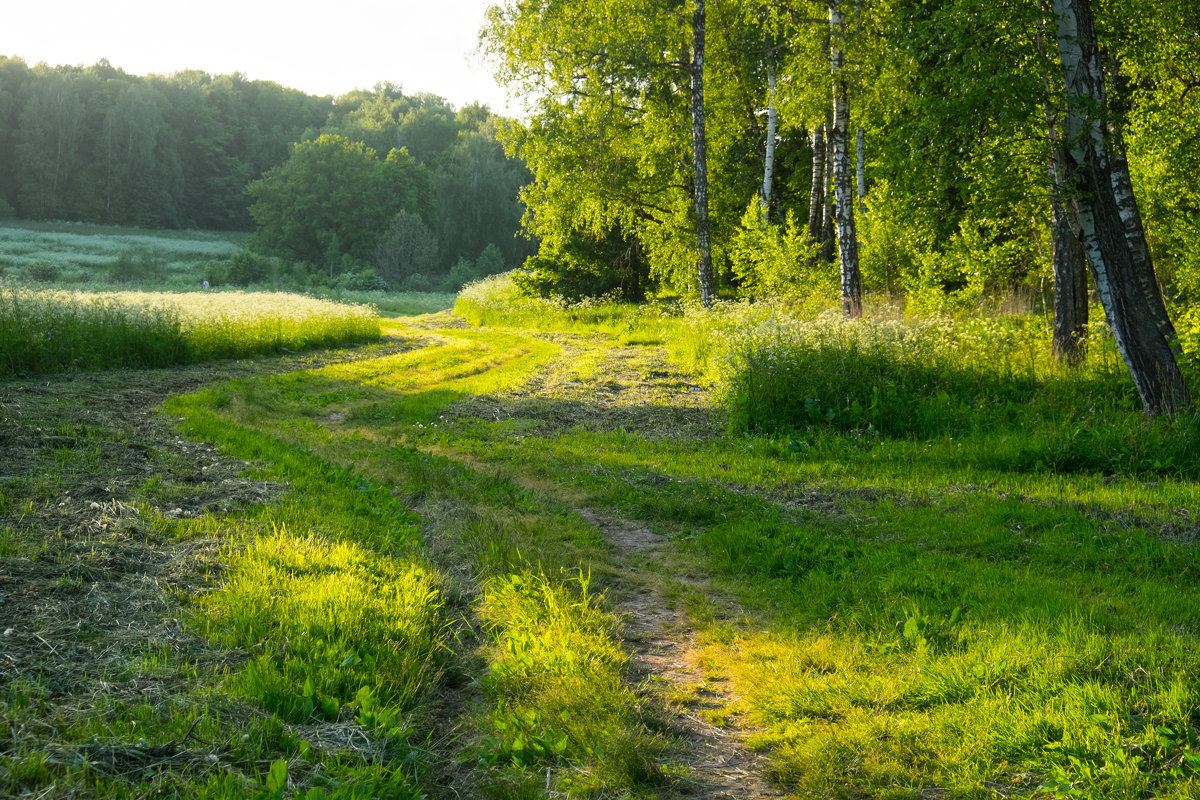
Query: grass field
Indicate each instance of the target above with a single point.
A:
(48, 331)
(594, 551)
(70, 253)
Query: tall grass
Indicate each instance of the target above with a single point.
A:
(55, 331)
(497, 301)
(87, 253)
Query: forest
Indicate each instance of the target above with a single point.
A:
(934, 154)
(198, 151)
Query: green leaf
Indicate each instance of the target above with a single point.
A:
(277, 777)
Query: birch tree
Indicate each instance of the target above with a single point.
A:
(704, 266)
(843, 176)
(1102, 211)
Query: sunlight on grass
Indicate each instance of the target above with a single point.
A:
(52, 331)
(335, 623)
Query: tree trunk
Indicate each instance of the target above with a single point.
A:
(839, 138)
(816, 197)
(861, 142)
(772, 126)
(1137, 322)
(829, 211)
(704, 266)
(1068, 340)
(1135, 234)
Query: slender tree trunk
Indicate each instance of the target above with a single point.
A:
(816, 197)
(1135, 234)
(1068, 340)
(861, 142)
(772, 127)
(704, 266)
(1136, 321)
(829, 211)
(839, 137)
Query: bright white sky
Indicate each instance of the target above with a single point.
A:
(328, 47)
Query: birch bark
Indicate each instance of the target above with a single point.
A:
(704, 266)
(772, 127)
(1137, 321)
(1068, 338)
(839, 137)
(816, 196)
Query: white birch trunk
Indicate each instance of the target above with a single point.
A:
(772, 127)
(839, 137)
(704, 266)
(1095, 211)
(816, 196)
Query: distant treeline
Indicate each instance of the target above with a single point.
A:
(95, 144)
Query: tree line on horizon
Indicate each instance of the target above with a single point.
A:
(378, 180)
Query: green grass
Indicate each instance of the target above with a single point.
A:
(47, 331)
(554, 695)
(966, 568)
(928, 562)
(71, 253)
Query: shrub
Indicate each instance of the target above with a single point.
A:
(43, 271)
(362, 280)
(611, 266)
(416, 283)
(247, 267)
(462, 273)
(773, 260)
(137, 265)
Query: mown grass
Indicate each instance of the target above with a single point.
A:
(53, 331)
(979, 582)
(553, 692)
(970, 571)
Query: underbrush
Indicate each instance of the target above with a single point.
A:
(55, 331)
(982, 389)
(496, 301)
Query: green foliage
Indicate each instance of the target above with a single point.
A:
(141, 266)
(776, 260)
(247, 267)
(43, 272)
(611, 266)
(329, 187)
(407, 247)
(462, 273)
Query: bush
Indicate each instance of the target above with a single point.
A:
(416, 283)
(461, 274)
(247, 267)
(587, 268)
(43, 272)
(774, 260)
(138, 265)
(362, 280)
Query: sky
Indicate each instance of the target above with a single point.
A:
(324, 48)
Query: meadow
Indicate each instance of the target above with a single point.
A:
(73, 253)
(902, 559)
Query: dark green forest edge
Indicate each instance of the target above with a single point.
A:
(370, 190)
